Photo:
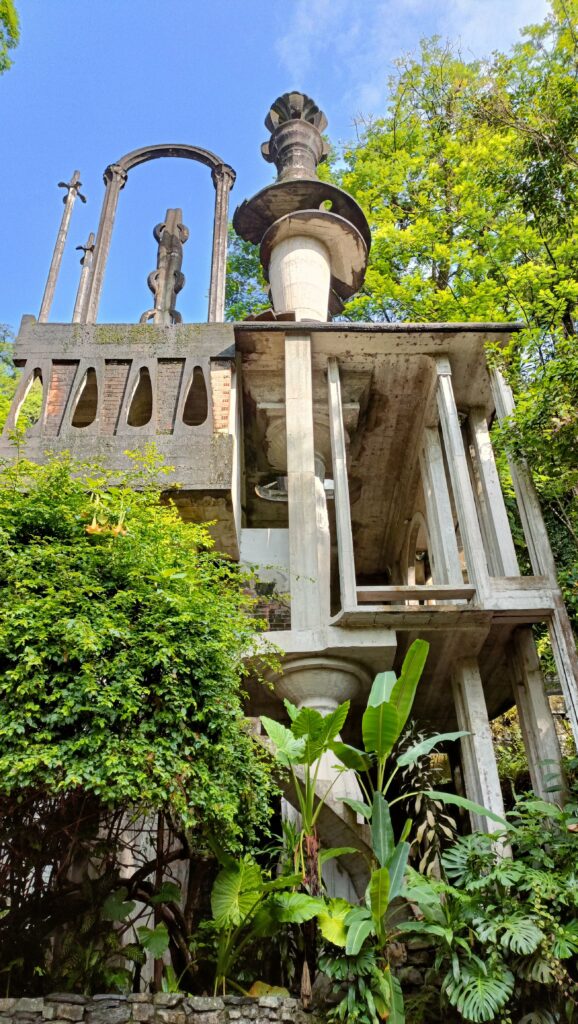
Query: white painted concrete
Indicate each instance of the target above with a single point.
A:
(461, 484)
(479, 760)
(300, 275)
(345, 553)
(536, 722)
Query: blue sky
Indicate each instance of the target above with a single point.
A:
(92, 80)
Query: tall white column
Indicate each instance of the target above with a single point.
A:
(346, 557)
(309, 587)
(479, 760)
(535, 716)
(444, 554)
(563, 643)
(461, 484)
(497, 522)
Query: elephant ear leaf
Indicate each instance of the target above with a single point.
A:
(236, 893)
(288, 749)
(403, 693)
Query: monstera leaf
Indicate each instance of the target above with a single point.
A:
(479, 994)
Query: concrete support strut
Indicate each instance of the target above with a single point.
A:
(536, 722)
(86, 263)
(345, 553)
(309, 592)
(499, 535)
(461, 484)
(115, 178)
(223, 179)
(72, 187)
(445, 557)
(542, 559)
(478, 757)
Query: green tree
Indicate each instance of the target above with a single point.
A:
(9, 32)
(123, 641)
(246, 290)
(469, 184)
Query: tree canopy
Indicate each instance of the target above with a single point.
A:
(122, 639)
(9, 32)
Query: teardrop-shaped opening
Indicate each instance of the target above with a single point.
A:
(87, 401)
(197, 404)
(31, 405)
(141, 407)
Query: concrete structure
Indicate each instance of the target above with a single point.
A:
(265, 420)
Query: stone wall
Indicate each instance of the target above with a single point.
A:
(65, 1008)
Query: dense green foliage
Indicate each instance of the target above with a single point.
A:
(123, 745)
(505, 931)
(246, 289)
(121, 646)
(9, 32)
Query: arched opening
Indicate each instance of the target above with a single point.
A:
(30, 408)
(196, 406)
(87, 400)
(141, 406)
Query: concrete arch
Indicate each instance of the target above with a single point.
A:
(115, 177)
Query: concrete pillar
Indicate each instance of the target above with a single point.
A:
(561, 636)
(444, 554)
(223, 179)
(115, 179)
(536, 720)
(300, 276)
(346, 557)
(478, 757)
(461, 484)
(323, 683)
(499, 535)
(306, 497)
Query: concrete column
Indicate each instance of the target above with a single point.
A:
(497, 522)
(115, 179)
(309, 601)
(444, 554)
(536, 720)
(300, 276)
(86, 263)
(461, 484)
(561, 636)
(223, 180)
(479, 760)
(346, 557)
(72, 191)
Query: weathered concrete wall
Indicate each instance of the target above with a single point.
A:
(64, 1008)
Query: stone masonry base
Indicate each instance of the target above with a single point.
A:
(64, 1008)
